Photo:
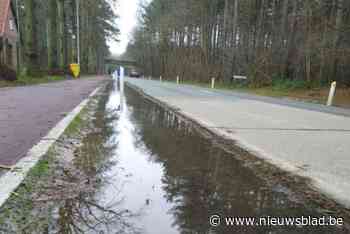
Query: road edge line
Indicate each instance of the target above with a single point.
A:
(10, 181)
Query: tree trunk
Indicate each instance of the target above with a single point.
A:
(226, 33)
(308, 42)
(52, 35)
(61, 36)
(31, 50)
(282, 46)
(338, 24)
(234, 35)
(290, 39)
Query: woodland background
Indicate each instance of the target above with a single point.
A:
(48, 34)
(305, 42)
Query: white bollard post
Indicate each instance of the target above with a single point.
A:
(213, 83)
(177, 80)
(160, 78)
(331, 93)
(121, 80)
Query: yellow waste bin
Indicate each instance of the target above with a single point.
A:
(75, 69)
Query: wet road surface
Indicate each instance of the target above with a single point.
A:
(28, 113)
(307, 139)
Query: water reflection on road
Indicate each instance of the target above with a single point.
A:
(139, 179)
(175, 178)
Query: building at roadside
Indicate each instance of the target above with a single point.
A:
(8, 35)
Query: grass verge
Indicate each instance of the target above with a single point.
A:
(17, 209)
(26, 80)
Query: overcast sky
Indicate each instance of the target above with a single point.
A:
(127, 11)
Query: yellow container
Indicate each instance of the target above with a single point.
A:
(75, 69)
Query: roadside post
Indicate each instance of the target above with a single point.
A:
(331, 93)
(78, 29)
(160, 78)
(121, 80)
(213, 83)
(177, 80)
(121, 83)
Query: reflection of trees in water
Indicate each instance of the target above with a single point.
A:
(80, 211)
(201, 179)
(94, 158)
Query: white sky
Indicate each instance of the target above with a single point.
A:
(127, 11)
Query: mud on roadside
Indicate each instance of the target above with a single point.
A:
(59, 193)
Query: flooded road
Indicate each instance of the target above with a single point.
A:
(175, 178)
(142, 169)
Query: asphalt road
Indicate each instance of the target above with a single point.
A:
(28, 113)
(308, 139)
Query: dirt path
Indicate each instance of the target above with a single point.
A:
(28, 113)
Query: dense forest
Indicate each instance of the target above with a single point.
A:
(48, 34)
(300, 40)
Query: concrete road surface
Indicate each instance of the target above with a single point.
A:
(28, 113)
(308, 139)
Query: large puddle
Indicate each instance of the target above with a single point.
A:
(156, 174)
(175, 178)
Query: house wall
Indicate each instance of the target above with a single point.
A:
(2, 59)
